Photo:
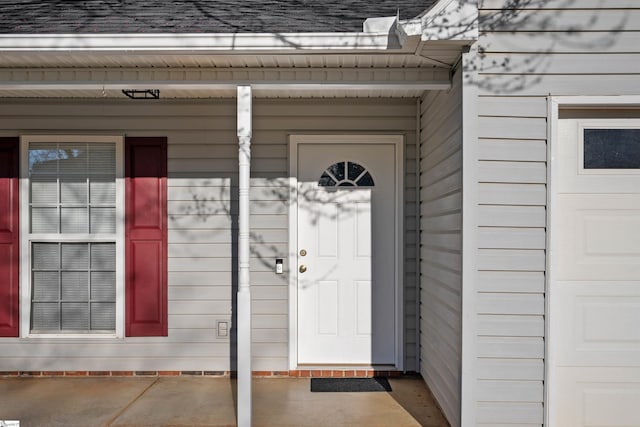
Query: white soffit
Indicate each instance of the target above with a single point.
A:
(193, 76)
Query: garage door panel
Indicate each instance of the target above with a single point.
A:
(601, 237)
(594, 276)
(600, 323)
(596, 398)
(594, 183)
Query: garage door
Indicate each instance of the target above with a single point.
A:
(594, 287)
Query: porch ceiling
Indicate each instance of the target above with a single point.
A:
(195, 75)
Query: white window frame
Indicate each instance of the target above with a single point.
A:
(26, 237)
(603, 124)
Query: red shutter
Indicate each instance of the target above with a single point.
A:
(9, 237)
(146, 236)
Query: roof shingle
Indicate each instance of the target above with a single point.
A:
(197, 16)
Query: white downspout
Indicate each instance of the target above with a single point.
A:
(244, 288)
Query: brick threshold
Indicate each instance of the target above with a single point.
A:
(303, 373)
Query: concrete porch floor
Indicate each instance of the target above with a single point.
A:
(205, 401)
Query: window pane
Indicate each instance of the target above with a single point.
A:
(73, 190)
(74, 316)
(46, 286)
(71, 178)
(44, 189)
(103, 277)
(326, 181)
(366, 180)
(75, 285)
(74, 220)
(44, 220)
(103, 256)
(102, 159)
(356, 176)
(103, 286)
(75, 256)
(46, 256)
(72, 159)
(337, 170)
(103, 316)
(612, 148)
(102, 190)
(355, 170)
(43, 158)
(103, 220)
(45, 316)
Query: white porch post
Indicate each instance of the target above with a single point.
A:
(244, 288)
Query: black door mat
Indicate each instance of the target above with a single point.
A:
(350, 385)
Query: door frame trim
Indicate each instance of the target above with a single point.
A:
(295, 140)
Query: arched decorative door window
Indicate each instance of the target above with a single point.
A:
(346, 174)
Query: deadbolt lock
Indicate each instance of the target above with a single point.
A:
(302, 269)
(303, 252)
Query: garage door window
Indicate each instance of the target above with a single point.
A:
(611, 148)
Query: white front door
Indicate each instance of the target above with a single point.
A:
(594, 294)
(346, 253)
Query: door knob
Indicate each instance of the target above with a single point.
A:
(302, 268)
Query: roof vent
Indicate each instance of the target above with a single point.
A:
(142, 93)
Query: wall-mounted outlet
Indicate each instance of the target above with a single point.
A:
(222, 329)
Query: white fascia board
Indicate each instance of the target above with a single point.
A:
(201, 43)
(446, 20)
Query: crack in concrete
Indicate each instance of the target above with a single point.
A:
(127, 406)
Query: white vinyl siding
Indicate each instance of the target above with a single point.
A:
(202, 210)
(441, 246)
(542, 48)
(511, 260)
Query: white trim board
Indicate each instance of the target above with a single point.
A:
(469, 356)
(294, 142)
(136, 44)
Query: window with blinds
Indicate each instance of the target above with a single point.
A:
(72, 222)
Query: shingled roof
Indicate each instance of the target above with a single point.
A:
(197, 16)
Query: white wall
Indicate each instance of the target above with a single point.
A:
(202, 205)
(441, 246)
